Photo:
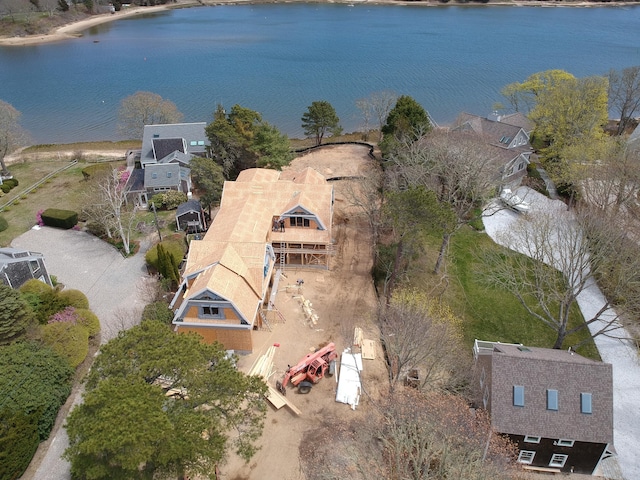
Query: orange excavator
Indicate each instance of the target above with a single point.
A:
(310, 370)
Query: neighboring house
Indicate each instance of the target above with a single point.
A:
(164, 159)
(268, 220)
(634, 139)
(18, 266)
(556, 405)
(509, 135)
(190, 217)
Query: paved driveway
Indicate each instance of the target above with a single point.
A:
(613, 348)
(113, 286)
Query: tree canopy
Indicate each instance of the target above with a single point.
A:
(12, 135)
(145, 108)
(242, 139)
(182, 400)
(16, 317)
(319, 120)
(407, 121)
(624, 95)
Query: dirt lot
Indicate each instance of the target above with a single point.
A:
(342, 298)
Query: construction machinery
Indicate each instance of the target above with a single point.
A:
(310, 370)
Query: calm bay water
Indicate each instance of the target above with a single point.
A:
(277, 59)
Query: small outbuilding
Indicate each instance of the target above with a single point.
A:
(190, 217)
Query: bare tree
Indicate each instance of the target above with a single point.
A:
(376, 106)
(12, 135)
(581, 248)
(409, 436)
(421, 334)
(624, 94)
(145, 108)
(108, 207)
(365, 193)
(460, 167)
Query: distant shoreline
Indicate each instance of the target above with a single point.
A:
(73, 30)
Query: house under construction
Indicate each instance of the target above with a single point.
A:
(268, 221)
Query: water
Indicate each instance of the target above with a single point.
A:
(277, 59)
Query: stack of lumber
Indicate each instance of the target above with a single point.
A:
(263, 367)
(357, 336)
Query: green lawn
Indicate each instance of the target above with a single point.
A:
(488, 313)
(66, 190)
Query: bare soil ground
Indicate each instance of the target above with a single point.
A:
(342, 297)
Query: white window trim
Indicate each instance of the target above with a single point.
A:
(531, 439)
(526, 457)
(558, 460)
(563, 442)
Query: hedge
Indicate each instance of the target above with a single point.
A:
(54, 217)
(3, 224)
(74, 298)
(68, 340)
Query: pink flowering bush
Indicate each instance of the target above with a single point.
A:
(39, 218)
(68, 315)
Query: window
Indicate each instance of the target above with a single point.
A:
(34, 266)
(526, 456)
(530, 439)
(558, 460)
(156, 135)
(518, 396)
(193, 143)
(210, 311)
(168, 174)
(154, 175)
(563, 442)
(299, 222)
(552, 400)
(585, 403)
(201, 142)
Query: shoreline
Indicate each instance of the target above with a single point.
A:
(73, 30)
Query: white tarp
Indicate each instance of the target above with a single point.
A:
(349, 386)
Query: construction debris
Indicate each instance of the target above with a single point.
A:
(368, 349)
(357, 337)
(349, 384)
(264, 368)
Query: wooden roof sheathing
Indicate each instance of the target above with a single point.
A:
(230, 260)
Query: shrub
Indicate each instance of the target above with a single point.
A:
(172, 247)
(169, 200)
(89, 320)
(3, 224)
(74, 298)
(54, 217)
(70, 341)
(18, 442)
(158, 311)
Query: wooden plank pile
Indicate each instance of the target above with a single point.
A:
(264, 368)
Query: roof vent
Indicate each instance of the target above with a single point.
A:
(524, 349)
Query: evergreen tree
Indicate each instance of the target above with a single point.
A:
(15, 315)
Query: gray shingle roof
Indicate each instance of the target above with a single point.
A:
(162, 147)
(189, 206)
(540, 369)
(192, 133)
(165, 175)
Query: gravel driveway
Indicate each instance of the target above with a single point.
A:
(614, 349)
(113, 286)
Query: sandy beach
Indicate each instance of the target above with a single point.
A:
(73, 30)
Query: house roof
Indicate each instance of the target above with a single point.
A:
(230, 260)
(135, 183)
(14, 255)
(541, 369)
(162, 147)
(188, 206)
(519, 120)
(162, 175)
(193, 134)
(498, 133)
